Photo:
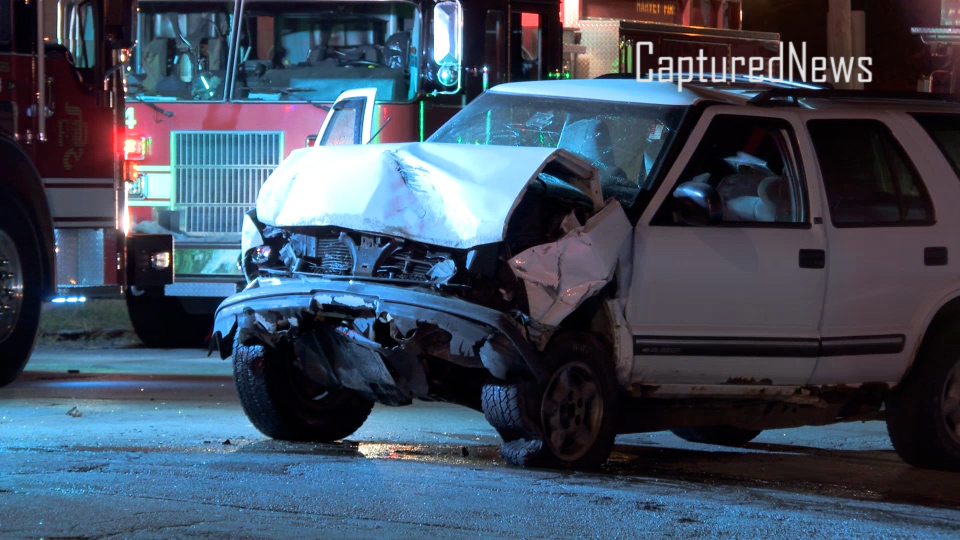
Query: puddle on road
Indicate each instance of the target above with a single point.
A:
(857, 476)
(429, 453)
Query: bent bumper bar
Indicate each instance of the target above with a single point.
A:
(291, 297)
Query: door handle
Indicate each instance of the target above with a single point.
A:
(935, 256)
(813, 258)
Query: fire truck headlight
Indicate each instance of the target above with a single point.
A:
(160, 260)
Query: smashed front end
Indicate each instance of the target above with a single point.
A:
(433, 270)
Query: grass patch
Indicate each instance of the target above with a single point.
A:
(90, 316)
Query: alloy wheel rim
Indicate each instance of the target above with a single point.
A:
(951, 403)
(11, 286)
(571, 411)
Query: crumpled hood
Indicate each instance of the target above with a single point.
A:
(451, 195)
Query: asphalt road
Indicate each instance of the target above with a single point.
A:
(153, 444)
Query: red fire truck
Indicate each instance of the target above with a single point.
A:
(61, 192)
(219, 92)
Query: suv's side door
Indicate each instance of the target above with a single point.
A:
(887, 250)
(739, 301)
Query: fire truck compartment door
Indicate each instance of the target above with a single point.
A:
(350, 120)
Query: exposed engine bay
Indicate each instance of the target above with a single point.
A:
(383, 313)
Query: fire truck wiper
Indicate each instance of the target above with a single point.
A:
(292, 92)
(154, 106)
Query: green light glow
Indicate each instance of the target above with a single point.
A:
(421, 120)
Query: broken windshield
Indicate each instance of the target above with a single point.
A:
(314, 51)
(181, 53)
(622, 140)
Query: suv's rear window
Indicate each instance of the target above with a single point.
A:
(868, 177)
(945, 131)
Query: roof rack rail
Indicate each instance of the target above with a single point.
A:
(775, 96)
(728, 79)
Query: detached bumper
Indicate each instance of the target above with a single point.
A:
(420, 322)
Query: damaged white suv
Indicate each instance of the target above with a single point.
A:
(580, 259)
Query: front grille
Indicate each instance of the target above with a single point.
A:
(334, 257)
(406, 264)
(219, 173)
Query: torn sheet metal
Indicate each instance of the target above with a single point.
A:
(622, 338)
(560, 275)
(451, 195)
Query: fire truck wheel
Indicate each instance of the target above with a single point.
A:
(21, 290)
(284, 404)
(161, 322)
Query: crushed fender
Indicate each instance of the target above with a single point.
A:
(561, 275)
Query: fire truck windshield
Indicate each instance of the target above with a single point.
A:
(181, 52)
(313, 51)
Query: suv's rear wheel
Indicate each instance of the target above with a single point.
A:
(923, 412)
(719, 435)
(284, 404)
(570, 421)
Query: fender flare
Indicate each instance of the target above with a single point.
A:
(23, 182)
(945, 309)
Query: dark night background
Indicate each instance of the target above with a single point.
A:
(899, 58)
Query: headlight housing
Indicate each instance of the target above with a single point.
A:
(257, 252)
(250, 233)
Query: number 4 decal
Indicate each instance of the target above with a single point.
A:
(130, 118)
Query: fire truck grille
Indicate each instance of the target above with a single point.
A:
(219, 173)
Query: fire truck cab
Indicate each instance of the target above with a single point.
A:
(218, 93)
(61, 192)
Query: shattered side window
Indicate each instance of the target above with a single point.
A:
(621, 140)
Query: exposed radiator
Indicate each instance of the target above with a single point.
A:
(219, 173)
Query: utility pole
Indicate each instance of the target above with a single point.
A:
(846, 39)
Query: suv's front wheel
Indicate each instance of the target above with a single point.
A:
(923, 412)
(284, 404)
(569, 421)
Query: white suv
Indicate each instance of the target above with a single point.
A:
(585, 258)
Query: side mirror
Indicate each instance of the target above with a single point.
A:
(447, 58)
(698, 204)
(120, 23)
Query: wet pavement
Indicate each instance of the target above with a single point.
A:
(153, 444)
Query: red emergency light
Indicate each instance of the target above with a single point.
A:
(135, 147)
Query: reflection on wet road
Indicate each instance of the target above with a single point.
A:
(176, 446)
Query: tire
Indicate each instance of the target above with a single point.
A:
(503, 407)
(570, 421)
(282, 403)
(719, 435)
(161, 322)
(21, 290)
(923, 411)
